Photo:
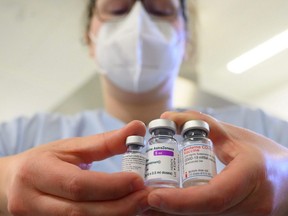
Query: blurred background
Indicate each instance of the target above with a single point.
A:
(45, 66)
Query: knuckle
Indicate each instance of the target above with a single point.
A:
(15, 207)
(74, 188)
(16, 204)
(24, 172)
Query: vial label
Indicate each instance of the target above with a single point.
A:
(198, 162)
(134, 163)
(163, 162)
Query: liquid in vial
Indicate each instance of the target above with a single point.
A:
(162, 155)
(134, 159)
(198, 164)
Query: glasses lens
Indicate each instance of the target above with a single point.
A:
(164, 9)
(113, 9)
(108, 10)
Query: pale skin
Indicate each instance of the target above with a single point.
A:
(254, 181)
(65, 189)
(60, 190)
(47, 180)
(128, 106)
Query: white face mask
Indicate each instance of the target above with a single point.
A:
(137, 53)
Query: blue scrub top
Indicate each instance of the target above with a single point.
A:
(25, 133)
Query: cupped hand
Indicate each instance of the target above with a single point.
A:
(254, 182)
(47, 180)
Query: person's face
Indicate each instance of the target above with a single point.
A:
(111, 10)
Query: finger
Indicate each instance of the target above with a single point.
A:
(48, 205)
(219, 132)
(152, 212)
(70, 182)
(226, 190)
(97, 147)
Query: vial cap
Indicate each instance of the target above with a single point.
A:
(195, 124)
(135, 140)
(162, 123)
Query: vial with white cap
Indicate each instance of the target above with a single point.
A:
(198, 164)
(162, 155)
(134, 160)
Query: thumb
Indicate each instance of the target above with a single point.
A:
(98, 147)
(219, 132)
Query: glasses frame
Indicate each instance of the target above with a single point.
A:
(178, 10)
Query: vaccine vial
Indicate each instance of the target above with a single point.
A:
(198, 165)
(162, 155)
(134, 160)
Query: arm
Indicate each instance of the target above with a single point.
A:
(47, 180)
(254, 181)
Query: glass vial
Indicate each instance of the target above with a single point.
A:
(162, 155)
(198, 164)
(134, 159)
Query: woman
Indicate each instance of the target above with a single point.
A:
(138, 47)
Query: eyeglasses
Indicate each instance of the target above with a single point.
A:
(111, 10)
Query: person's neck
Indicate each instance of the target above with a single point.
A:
(144, 107)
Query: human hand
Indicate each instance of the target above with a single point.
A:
(254, 182)
(47, 180)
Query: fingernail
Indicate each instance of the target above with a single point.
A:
(155, 201)
(143, 207)
(152, 212)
